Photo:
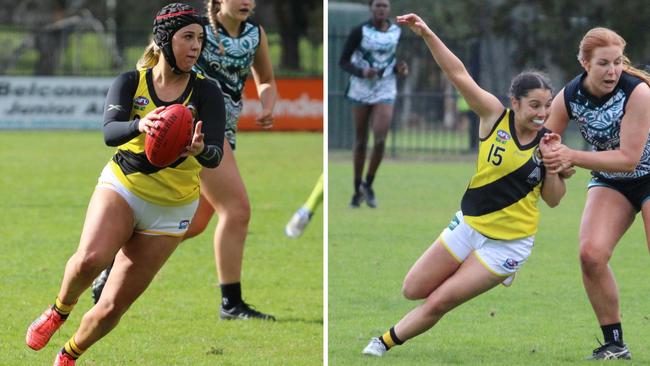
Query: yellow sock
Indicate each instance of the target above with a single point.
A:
(62, 308)
(316, 196)
(72, 349)
(390, 339)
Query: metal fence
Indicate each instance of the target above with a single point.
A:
(427, 119)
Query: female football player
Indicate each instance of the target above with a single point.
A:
(492, 236)
(609, 102)
(139, 213)
(234, 46)
(369, 57)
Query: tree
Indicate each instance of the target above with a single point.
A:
(293, 21)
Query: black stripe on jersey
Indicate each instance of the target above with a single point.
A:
(501, 193)
(130, 162)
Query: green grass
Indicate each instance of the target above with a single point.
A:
(543, 319)
(46, 184)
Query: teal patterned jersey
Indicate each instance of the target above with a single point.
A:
(231, 68)
(369, 47)
(599, 119)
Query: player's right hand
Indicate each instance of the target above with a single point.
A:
(148, 123)
(370, 73)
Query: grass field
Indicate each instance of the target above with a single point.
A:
(47, 179)
(543, 319)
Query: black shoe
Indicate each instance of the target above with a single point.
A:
(368, 195)
(99, 283)
(243, 311)
(611, 351)
(357, 198)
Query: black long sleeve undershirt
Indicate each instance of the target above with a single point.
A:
(206, 97)
(351, 44)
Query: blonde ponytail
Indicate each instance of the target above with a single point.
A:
(149, 58)
(214, 22)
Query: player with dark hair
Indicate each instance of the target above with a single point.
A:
(139, 213)
(610, 103)
(492, 236)
(369, 55)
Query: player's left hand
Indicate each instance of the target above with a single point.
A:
(197, 145)
(265, 118)
(402, 68)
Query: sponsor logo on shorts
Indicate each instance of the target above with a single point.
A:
(502, 136)
(510, 264)
(184, 224)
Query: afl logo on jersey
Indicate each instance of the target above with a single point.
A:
(140, 102)
(502, 136)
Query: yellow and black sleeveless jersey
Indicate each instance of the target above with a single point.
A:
(130, 98)
(501, 199)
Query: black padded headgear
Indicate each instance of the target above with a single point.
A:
(168, 21)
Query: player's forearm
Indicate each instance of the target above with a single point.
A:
(605, 161)
(553, 189)
(117, 133)
(448, 62)
(268, 94)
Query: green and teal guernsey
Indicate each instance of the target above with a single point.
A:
(368, 47)
(501, 199)
(230, 66)
(131, 97)
(599, 120)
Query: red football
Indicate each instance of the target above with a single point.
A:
(174, 133)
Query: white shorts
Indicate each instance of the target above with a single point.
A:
(150, 219)
(501, 257)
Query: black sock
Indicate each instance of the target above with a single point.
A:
(230, 295)
(613, 333)
(357, 183)
(369, 180)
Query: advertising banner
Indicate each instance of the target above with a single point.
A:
(78, 103)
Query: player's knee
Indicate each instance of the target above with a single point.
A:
(237, 213)
(411, 292)
(592, 256)
(90, 264)
(109, 313)
(437, 307)
(380, 145)
(361, 144)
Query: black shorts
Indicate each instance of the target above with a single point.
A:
(637, 191)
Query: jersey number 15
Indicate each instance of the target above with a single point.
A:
(494, 156)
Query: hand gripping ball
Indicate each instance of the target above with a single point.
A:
(169, 140)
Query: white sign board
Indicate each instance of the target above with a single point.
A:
(52, 102)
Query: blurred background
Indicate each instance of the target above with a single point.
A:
(82, 37)
(81, 45)
(495, 39)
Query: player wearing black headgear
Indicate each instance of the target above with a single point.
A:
(136, 205)
(168, 21)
